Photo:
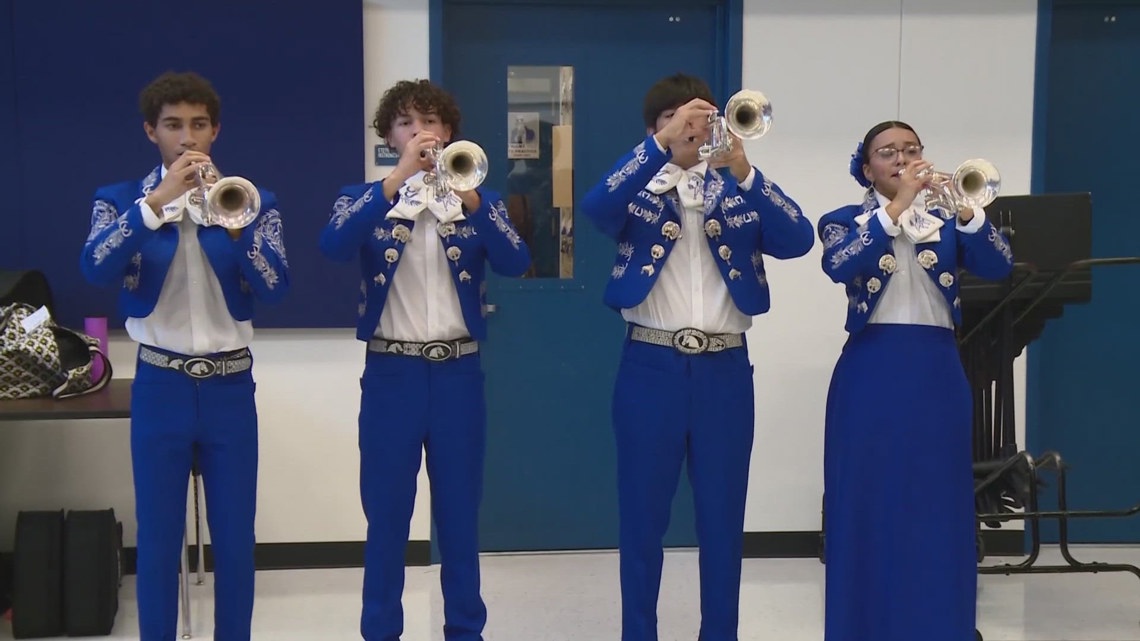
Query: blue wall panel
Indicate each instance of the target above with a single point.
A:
(11, 253)
(291, 83)
(1081, 397)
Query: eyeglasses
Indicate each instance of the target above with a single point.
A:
(889, 154)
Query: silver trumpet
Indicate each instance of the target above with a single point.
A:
(975, 183)
(748, 116)
(460, 166)
(231, 202)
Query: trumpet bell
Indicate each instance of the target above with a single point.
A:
(232, 202)
(977, 182)
(748, 114)
(461, 166)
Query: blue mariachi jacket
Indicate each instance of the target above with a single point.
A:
(858, 253)
(120, 248)
(358, 227)
(740, 225)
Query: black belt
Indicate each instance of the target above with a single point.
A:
(434, 351)
(199, 366)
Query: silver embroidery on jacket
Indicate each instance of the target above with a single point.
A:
(779, 200)
(498, 215)
(271, 221)
(340, 211)
(102, 215)
(640, 157)
(833, 234)
(625, 250)
(113, 240)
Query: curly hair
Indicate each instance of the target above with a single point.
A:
(420, 95)
(172, 88)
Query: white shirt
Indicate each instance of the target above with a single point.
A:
(910, 296)
(422, 304)
(191, 316)
(690, 291)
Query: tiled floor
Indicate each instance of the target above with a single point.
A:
(564, 597)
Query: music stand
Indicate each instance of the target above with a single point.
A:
(1051, 239)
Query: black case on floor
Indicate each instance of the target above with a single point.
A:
(92, 572)
(37, 575)
(66, 573)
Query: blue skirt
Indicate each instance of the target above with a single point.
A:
(900, 550)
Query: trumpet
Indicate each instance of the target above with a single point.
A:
(231, 202)
(748, 116)
(460, 166)
(975, 183)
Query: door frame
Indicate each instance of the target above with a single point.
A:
(1033, 372)
(730, 35)
(728, 80)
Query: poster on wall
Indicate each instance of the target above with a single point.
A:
(385, 156)
(522, 135)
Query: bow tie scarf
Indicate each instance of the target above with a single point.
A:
(690, 185)
(416, 195)
(918, 225)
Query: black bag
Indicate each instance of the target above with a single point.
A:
(37, 575)
(92, 572)
(5, 583)
(29, 287)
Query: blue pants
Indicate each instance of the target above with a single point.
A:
(669, 407)
(899, 489)
(409, 405)
(173, 418)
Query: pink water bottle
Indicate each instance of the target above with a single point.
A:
(97, 328)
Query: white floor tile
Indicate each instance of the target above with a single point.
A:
(575, 597)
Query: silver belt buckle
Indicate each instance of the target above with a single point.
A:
(691, 341)
(439, 351)
(200, 367)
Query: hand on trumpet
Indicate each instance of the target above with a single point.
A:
(735, 159)
(689, 123)
(471, 200)
(414, 159)
(910, 182)
(181, 177)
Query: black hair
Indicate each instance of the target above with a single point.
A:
(173, 88)
(672, 92)
(880, 128)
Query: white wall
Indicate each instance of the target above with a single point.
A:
(832, 68)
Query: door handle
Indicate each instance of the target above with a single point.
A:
(489, 308)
